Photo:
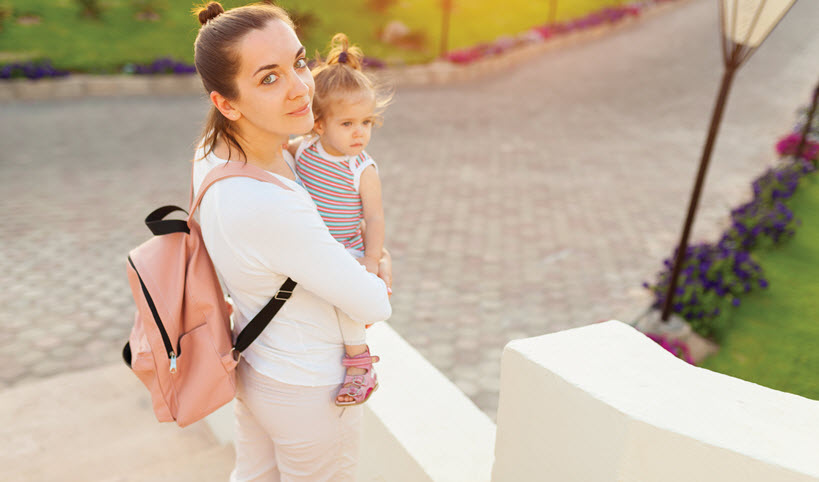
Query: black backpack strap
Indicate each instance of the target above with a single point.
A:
(158, 225)
(260, 321)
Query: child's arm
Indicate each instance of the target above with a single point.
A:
(373, 211)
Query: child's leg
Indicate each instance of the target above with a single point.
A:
(355, 343)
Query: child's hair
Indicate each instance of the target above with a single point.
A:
(217, 58)
(340, 75)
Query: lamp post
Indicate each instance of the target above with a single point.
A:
(808, 123)
(446, 7)
(744, 25)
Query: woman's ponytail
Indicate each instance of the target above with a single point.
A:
(208, 12)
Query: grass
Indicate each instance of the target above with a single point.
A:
(78, 43)
(773, 339)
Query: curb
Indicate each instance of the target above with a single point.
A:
(438, 72)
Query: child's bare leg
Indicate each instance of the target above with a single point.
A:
(351, 332)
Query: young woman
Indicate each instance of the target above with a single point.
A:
(257, 234)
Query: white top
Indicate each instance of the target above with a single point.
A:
(258, 234)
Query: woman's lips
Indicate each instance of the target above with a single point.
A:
(303, 111)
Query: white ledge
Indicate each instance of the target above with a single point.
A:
(604, 402)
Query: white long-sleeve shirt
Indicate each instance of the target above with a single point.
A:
(258, 234)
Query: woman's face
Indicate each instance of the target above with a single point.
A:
(275, 85)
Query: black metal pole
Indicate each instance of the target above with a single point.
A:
(727, 78)
(808, 123)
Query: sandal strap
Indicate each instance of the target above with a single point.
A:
(352, 391)
(359, 362)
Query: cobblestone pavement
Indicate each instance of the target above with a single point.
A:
(520, 204)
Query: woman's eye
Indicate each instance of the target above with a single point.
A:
(301, 63)
(270, 79)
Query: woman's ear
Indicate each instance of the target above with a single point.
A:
(224, 106)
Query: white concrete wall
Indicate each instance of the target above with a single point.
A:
(605, 403)
(418, 426)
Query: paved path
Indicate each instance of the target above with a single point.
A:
(532, 201)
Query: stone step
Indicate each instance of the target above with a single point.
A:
(211, 465)
(98, 425)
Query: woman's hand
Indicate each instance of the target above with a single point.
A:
(385, 269)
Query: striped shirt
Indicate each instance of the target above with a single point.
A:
(333, 183)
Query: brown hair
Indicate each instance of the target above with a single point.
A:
(217, 59)
(341, 73)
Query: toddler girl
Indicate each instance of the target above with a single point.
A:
(343, 181)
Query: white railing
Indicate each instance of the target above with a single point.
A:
(598, 403)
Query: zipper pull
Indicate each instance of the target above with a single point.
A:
(173, 362)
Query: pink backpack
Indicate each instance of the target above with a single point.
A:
(181, 345)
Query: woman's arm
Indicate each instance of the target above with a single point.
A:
(373, 211)
(288, 236)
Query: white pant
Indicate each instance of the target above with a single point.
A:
(292, 433)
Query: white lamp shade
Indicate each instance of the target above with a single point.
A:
(748, 22)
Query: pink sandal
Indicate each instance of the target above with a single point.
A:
(359, 387)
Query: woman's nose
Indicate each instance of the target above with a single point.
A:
(298, 87)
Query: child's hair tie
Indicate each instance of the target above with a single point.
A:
(342, 58)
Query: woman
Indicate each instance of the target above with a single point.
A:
(257, 234)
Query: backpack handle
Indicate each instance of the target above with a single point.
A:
(159, 226)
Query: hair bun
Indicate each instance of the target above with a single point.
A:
(341, 52)
(209, 12)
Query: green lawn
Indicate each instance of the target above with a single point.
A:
(773, 339)
(77, 43)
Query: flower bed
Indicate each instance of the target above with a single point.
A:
(541, 33)
(715, 276)
(164, 65)
(30, 70)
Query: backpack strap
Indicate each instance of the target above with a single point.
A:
(232, 169)
(260, 321)
(239, 169)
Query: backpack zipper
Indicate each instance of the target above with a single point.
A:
(165, 338)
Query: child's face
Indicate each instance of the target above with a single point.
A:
(346, 129)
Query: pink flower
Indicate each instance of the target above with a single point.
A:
(787, 147)
(675, 347)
